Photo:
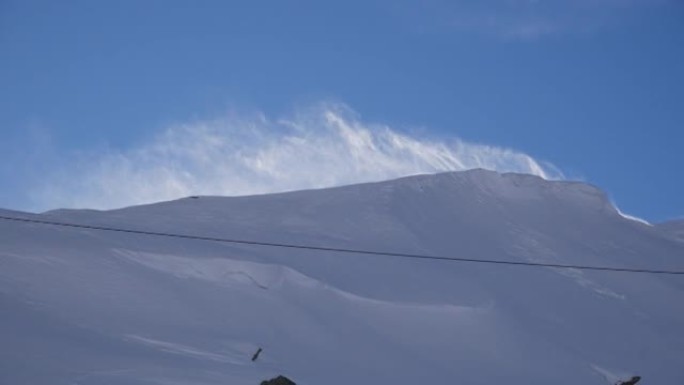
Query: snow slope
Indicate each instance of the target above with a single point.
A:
(89, 307)
(674, 227)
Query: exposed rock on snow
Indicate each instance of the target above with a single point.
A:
(280, 380)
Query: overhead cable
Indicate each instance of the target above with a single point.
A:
(345, 250)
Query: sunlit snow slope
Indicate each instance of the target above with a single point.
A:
(91, 307)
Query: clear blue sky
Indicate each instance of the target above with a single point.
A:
(595, 87)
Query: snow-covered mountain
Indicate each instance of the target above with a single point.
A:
(82, 306)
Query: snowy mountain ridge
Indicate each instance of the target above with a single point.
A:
(91, 307)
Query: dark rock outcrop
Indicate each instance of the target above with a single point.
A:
(631, 381)
(280, 380)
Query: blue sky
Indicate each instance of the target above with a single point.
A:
(94, 94)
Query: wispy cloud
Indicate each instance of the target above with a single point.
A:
(239, 155)
(532, 19)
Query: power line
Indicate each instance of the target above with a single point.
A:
(342, 250)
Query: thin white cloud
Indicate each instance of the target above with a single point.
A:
(237, 155)
(531, 19)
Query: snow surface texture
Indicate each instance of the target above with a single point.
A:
(90, 307)
(675, 228)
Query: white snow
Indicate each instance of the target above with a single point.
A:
(90, 307)
(674, 228)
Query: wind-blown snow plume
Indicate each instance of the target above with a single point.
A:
(323, 147)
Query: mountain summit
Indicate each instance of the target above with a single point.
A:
(82, 306)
